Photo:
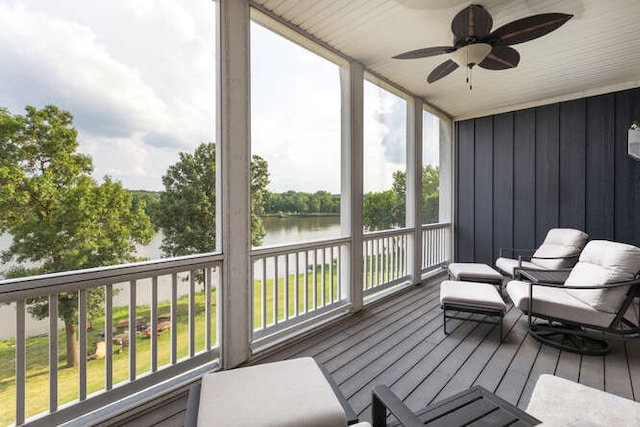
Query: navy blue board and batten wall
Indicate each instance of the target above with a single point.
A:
(557, 165)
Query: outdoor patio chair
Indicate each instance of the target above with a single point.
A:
(292, 392)
(560, 249)
(594, 305)
(554, 401)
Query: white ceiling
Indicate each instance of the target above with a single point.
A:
(597, 51)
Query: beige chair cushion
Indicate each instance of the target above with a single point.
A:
(563, 244)
(603, 262)
(559, 402)
(556, 302)
(508, 265)
(471, 294)
(290, 393)
(473, 272)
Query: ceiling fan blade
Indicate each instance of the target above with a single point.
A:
(529, 28)
(501, 58)
(471, 22)
(447, 67)
(426, 52)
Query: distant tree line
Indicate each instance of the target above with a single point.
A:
(300, 203)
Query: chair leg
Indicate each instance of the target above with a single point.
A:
(444, 319)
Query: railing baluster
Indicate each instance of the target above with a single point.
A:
(192, 313)
(315, 279)
(322, 279)
(374, 269)
(21, 362)
(174, 318)
(275, 290)
(132, 330)
(331, 281)
(387, 258)
(296, 283)
(82, 332)
(53, 352)
(207, 307)
(286, 286)
(263, 303)
(306, 281)
(365, 264)
(339, 273)
(108, 337)
(154, 324)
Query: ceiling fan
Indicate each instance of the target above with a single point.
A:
(475, 44)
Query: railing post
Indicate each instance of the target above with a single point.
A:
(352, 82)
(234, 150)
(414, 187)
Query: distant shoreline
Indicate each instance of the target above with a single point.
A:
(297, 215)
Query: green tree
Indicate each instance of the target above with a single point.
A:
(59, 217)
(430, 194)
(387, 209)
(188, 204)
(379, 211)
(151, 201)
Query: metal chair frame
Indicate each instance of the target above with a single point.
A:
(584, 338)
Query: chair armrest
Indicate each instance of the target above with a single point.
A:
(576, 255)
(193, 405)
(383, 399)
(590, 287)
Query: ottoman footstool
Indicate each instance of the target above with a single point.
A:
(471, 297)
(475, 272)
(289, 393)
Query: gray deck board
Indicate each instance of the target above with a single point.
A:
(401, 343)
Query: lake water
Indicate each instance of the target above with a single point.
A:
(279, 231)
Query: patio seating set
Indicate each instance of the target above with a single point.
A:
(300, 392)
(576, 295)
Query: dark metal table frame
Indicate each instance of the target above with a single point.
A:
(475, 405)
(543, 276)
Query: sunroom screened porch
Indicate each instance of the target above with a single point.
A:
(474, 240)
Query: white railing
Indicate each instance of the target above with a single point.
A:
(294, 283)
(436, 245)
(156, 321)
(385, 259)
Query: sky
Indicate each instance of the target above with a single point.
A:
(139, 78)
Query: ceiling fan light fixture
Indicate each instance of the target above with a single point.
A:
(470, 55)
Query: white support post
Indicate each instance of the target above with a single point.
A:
(234, 152)
(414, 187)
(352, 81)
(447, 166)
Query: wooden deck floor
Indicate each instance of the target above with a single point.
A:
(401, 343)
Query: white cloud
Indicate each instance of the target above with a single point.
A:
(139, 76)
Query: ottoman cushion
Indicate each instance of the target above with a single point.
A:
(471, 295)
(289, 393)
(562, 402)
(474, 271)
